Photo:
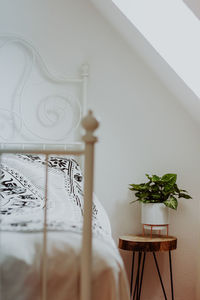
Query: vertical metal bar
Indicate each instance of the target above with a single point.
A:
(90, 124)
(87, 227)
(142, 273)
(132, 271)
(171, 276)
(159, 276)
(44, 250)
(84, 74)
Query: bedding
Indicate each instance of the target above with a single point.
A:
(22, 195)
(21, 205)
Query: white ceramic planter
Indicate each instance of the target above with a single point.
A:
(154, 214)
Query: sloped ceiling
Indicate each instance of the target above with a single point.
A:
(194, 5)
(164, 71)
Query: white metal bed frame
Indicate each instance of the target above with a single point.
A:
(37, 60)
(89, 123)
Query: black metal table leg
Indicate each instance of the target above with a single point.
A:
(142, 273)
(171, 276)
(136, 294)
(139, 276)
(159, 276)
(136, 288)
(132, 271)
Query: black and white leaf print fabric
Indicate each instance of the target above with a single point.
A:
(17, 193)
(22, 194)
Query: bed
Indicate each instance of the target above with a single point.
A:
(47, 214)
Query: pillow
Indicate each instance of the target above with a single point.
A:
(22, 194)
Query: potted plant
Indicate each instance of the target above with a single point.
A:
(157, 196)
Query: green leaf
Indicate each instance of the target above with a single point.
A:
(159, 189)
(155, 196)
(137, 194)
(166, 193)
(177, 189)
(149, 177)
(171, 202)
(170, 183)
(155, 188)
(144, 200)
(144, 194)
(138, 187)
(169, 188)
(186, 196)
(155, 178)
(170, 178)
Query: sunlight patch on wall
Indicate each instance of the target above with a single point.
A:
(173, 30)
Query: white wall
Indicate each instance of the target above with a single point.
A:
(143, 129)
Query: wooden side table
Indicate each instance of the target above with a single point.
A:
(143, 244)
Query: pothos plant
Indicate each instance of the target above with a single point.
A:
(159, 190)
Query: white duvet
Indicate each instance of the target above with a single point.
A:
(22, 201)
(20, 267)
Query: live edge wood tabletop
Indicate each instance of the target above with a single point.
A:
(147, 243)
(142, 244)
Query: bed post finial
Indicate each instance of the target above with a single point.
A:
(90, 124)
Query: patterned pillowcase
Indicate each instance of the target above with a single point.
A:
(70, 169)
(22, 194)
(22, 188)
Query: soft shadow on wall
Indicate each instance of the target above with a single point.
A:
(123, 213)
(194, 5)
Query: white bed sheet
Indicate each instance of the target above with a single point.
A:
(20, 267)
(22, 202)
